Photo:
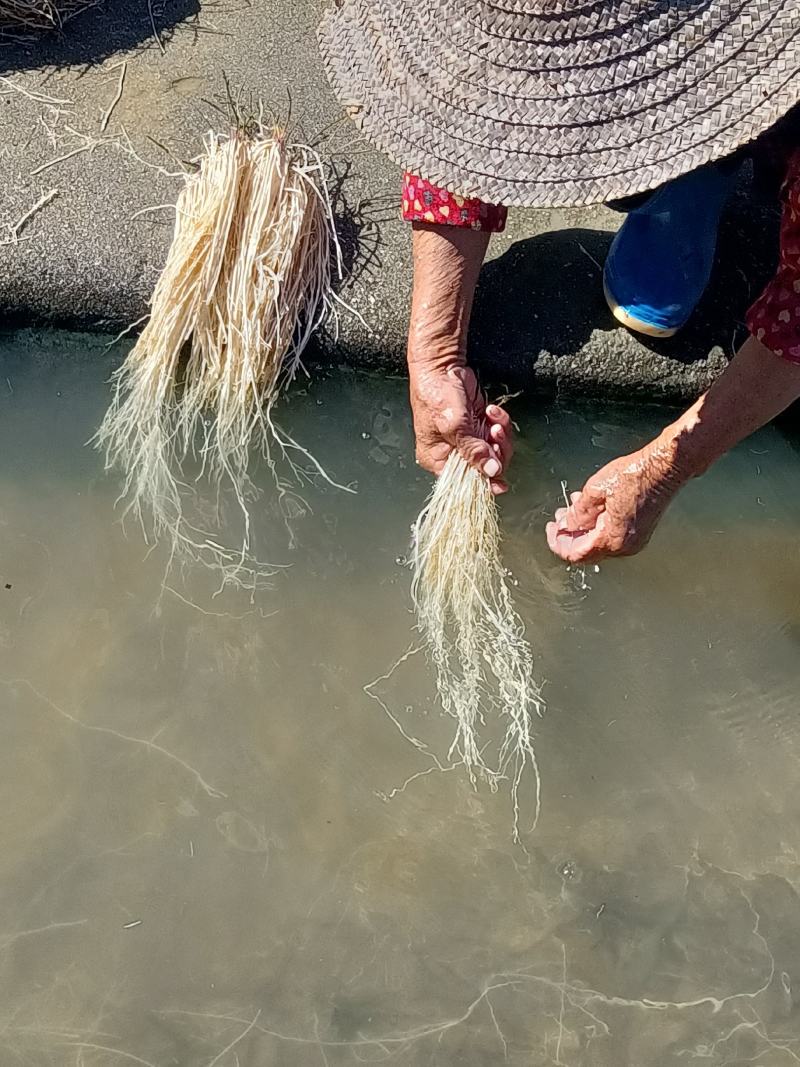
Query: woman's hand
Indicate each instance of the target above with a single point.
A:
(618, 509)
(450, 412)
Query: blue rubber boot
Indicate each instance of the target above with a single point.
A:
(661, 258)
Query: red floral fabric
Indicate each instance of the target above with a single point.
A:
(774, 319)
(425, 202)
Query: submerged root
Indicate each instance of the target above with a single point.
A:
(472, 631)
(247, 280)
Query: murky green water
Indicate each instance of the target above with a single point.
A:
(197, 867)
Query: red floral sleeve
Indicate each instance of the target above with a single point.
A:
(774, 319)
(425, 202)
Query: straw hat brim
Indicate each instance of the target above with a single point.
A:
(547, 103)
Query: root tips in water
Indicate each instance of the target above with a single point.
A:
(472, 631)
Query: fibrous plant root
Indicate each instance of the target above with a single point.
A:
(247, 280)
(22, 16)
(475, 638)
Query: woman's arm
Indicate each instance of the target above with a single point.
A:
(447, 261)
(618, 509)
(756, 386)
(448, 406)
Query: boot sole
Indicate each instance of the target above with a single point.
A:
(632, 323)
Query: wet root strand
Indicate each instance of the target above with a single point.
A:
(472, 631)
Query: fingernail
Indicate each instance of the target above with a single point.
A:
(491, 468)
(492, 409)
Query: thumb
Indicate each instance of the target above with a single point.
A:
(585, 509)
(479, 454)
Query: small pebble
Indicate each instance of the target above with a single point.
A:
(8, 585)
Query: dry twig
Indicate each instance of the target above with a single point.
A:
(20, 224)
(120, 87)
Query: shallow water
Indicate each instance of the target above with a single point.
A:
(196, 863)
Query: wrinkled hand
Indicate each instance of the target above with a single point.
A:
(450, 412)
(617, 510)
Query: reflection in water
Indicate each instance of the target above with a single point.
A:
(196, 864)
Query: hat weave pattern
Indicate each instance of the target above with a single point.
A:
(547, 103)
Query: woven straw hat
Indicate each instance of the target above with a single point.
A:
(545, 103)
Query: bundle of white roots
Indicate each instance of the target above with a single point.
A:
(247, 280)
(474, 636)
